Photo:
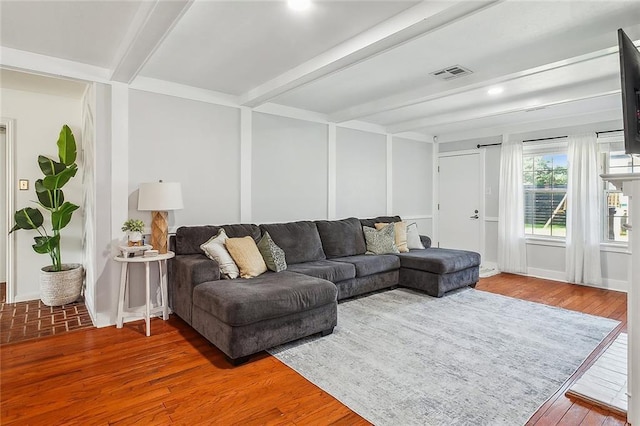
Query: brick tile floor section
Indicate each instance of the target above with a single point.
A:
(30, 320)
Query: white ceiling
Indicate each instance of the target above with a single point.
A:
(351, 60)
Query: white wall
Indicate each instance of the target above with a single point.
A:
(39, 118)
(412, 179)
(289, 176)
(361, 173)
(191, 142)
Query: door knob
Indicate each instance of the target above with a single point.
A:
(475, 216)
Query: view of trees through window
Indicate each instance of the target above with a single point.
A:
(545, 194)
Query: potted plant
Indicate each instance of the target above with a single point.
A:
(134, 229)
(59, 283)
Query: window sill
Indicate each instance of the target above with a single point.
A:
(560, 242)
(615, 247)
(545, 241)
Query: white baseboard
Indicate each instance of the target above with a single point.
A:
(27, 297)
(607, 283)
(547, 274)
(489, 265)
(611, 284)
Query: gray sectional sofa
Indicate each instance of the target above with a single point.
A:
(326, 262)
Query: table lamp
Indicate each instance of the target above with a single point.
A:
(159, 197)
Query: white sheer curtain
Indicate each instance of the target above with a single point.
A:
(583, 211)
(512, 249)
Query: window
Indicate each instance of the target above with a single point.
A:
(616, 205)
(545, 194)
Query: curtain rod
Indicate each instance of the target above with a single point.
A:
(546, 139)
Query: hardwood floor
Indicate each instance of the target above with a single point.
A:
(119, 376)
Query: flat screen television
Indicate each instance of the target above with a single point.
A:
(630, 78)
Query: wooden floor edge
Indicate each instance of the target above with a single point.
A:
(615, 410)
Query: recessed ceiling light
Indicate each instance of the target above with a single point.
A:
(495, 90)
(299, 4)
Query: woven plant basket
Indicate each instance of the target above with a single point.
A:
(62, 287)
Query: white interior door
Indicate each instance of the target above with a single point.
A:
(460, 196)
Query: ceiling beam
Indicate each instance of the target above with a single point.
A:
(533, 127)
(416, 21)
(153, 21)
(418, 96)
(454, 118)
(36, 63)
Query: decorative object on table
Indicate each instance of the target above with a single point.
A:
(59, 283)
(130, 251)
(134, 229)
(150, 253)
(159, 198)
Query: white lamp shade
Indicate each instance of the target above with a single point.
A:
(160, 196)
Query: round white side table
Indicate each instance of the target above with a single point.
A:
(124, 287)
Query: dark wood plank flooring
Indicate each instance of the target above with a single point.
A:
(119, 376)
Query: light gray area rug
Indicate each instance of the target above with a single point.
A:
(470, 358)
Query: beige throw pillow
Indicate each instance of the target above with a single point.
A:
(245, 253)
(215, 250)
(400, 230)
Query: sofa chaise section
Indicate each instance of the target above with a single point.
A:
(191, 266)
(437, 270)
(245, 316)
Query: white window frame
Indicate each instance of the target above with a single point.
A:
(545, 147)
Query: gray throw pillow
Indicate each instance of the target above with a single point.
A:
(380, 242)
(272, 254)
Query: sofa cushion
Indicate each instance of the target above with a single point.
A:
(271, 295)
(325, 269)
(189, 238)
(215, 250)
(245, 253)
(368, 265)
(341, 237)
(438, 260)
(371, 223)
(273, 255)
(400, 234)
(299, 240)
(380, 242)
(413, 237)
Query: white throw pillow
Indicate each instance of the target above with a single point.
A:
(413, 237)
(215, 250)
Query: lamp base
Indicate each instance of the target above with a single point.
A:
(159, 227)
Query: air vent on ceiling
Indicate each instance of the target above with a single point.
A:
(451, 72)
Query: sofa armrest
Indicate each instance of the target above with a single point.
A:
(185, 273)
(426, 241)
